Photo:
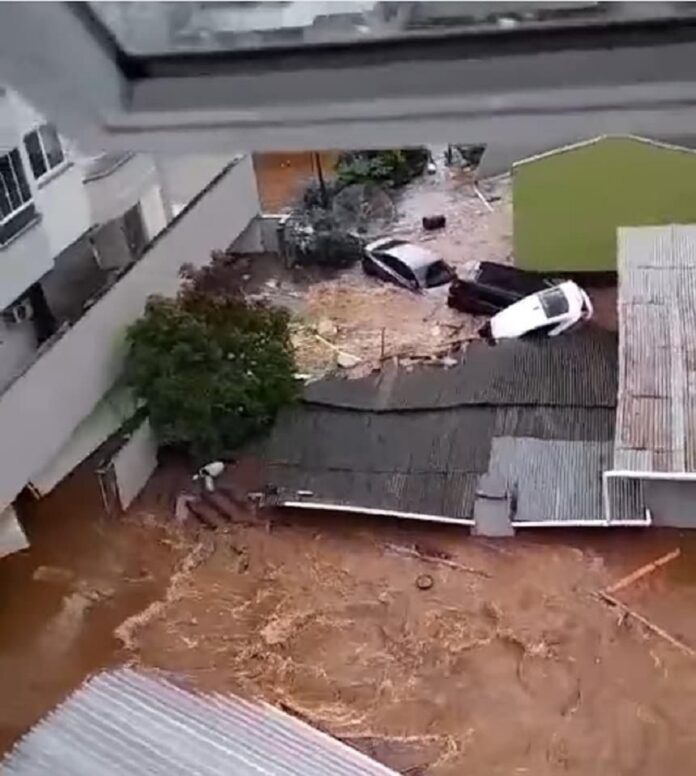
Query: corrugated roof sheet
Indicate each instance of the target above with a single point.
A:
(576, 370)
(125, 723)
(657, 352)
(417, 462)
(555, 480)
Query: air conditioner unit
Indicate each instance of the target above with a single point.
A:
(18, 313)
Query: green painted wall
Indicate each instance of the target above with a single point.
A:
(567, 206)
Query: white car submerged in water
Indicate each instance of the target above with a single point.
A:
(551, 311)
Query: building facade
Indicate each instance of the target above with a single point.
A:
(83, 242)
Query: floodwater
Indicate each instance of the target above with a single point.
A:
(514, 669)
(281, 176)
(61, 600)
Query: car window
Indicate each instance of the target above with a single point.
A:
(553, 302)
(400, 268)
(390, 244)
(437, 274)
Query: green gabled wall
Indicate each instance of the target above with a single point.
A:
(568, 205)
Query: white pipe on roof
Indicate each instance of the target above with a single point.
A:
(373, 511)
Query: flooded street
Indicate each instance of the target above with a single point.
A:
(507, 664)
(61, 600)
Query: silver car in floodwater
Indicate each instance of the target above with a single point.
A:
(408, 265)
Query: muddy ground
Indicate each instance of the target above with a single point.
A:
(359, 318)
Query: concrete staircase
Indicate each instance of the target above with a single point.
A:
(222, 508)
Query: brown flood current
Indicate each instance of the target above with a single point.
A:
(512, 670)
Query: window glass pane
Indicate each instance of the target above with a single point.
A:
(52, 145)
(21, 178)
(10, 183)
(554, 302)
(5, 207)
(36, 157)
(182, 27)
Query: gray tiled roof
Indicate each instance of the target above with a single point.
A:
(125, 723)
(418, 441)
(656, 412)
(576, 370)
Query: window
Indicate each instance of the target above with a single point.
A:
(553, 302)
(395, 265)
(438, 274)
(16, 208)
(44, 149)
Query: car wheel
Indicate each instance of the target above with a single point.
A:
(369, 268)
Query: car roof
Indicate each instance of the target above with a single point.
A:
(412, 255)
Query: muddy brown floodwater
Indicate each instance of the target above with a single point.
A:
(61, 600)
(512, 666)
(282, 175)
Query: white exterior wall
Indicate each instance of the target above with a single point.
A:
(64, 207)
(70, 378)
(116, 191)
(182, 177)
(17, 343)
(59, 199)
(22, 262)
(152, 209)
(134, 463)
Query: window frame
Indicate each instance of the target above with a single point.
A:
(38, 134)
(549, 86)
(22, 215)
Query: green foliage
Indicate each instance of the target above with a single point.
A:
(316, 237)
(392, 168)
(212, 368)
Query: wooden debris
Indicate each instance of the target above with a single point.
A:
(643, 571)
(411, 552)
(680, 645)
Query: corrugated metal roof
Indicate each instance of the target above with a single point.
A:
(657, 351)
(126, 723)
(555, 480)
(576, 370)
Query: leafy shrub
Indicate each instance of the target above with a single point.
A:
(394, 167)
(316, 237)
(213, 368)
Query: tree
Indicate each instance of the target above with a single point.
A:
(213, 369)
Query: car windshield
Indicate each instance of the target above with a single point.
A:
(553, 302)
(385, 246)
(438, 274)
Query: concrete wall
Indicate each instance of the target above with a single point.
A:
(568, 205)
(17, 343)
(64, 208)
(152, 211)
(40, 410)
(184, 175)
(22, 262)
(59, 199)
(134, 463)
(671, 503)
(111, 194)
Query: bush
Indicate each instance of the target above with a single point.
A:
(392, 168)
(213, 369)
(316, 237)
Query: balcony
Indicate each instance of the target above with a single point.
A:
(114, 182)
(74, 370)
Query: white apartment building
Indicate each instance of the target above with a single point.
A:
(83, 242)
